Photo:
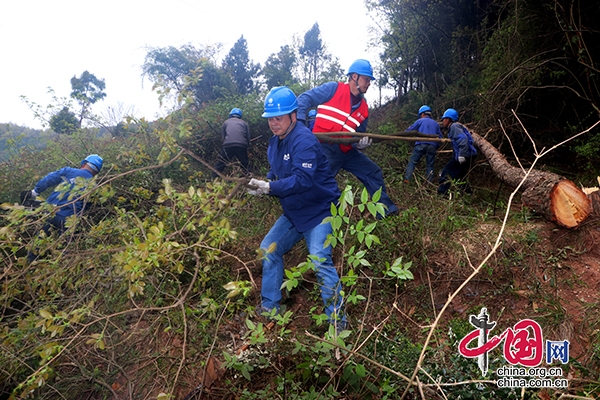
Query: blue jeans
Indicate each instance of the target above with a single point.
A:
(362, 167)
(420, 150)
(285, 236)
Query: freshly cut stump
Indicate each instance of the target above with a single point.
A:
(559, 200)
(552, 196)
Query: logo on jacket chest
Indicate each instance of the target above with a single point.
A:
(286, 157)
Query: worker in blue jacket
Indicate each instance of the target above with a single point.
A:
(427, 125)
(463, 157)
(69, 184)
(341, 107)
(300, 177)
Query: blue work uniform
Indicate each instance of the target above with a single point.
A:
(427, 126)
(301, 179)
(462, 146)
(64, 180)
(65, 196)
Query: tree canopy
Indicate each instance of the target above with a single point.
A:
(87, 90)
(65, 121)
(243, 71)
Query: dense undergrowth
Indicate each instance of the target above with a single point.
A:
(151, 293)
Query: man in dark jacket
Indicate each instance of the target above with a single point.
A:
(427, 125)
(302, 180)
(236, 140)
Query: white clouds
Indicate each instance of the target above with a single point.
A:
(45, 43)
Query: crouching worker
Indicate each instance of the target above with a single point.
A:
(301, 178)
(70, 184)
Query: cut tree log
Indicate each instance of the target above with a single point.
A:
(595, 197)
(553, 196)
(349, 138)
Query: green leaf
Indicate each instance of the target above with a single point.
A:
(360, 370)
(245, 373)
(364, 196)
(377, 196)
(333, 210)
(348, 197)
(336, 224)
(372, 209)
(369, 228)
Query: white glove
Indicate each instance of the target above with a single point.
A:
(364, 143)
(262, 187)
(34, 194)
(461, 160)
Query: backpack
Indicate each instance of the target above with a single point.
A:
(472, 148)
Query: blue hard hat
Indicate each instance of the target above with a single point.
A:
(451, 113)
(95, 162)
(312, 114)
(424, 109)
(361, 67)
(280, 101)
(235, 112)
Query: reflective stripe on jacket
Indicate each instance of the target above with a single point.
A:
(338, 115)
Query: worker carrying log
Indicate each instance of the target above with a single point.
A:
(427, 125)
(341, 107)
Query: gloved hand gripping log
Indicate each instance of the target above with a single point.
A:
(258, 187)
(28, 199)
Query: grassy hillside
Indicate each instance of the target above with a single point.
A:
(152, 293)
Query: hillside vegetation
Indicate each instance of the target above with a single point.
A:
(151, 294)
(153, 291)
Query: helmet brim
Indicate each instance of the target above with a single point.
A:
(273, 114)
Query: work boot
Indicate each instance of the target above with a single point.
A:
(266, 314)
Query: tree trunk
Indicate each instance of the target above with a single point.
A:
(553, 196)
(595, 197)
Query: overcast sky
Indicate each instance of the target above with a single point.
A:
(44, 43)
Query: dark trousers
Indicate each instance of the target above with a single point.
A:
(362, 167)
(55, 223)
(228, 154)
(457, 172)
